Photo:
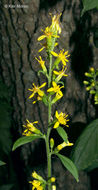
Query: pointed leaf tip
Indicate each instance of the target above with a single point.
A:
(24, 140)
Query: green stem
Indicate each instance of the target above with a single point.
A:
(49, 129)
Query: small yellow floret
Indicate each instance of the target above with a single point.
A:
(61, 119)
(56, 89)
(64, 144)
(36, 89)
(61, 56)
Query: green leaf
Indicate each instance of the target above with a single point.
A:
(44, 99)
(85, 153)
(69, 165)
(2, 163)
(62, 133)
(24, 140)
(89, 4)
(7, 187)
(95, 36)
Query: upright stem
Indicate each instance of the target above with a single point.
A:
(49, 129)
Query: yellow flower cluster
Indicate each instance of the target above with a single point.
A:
(38, 183)
(50, 34)
(30, 129)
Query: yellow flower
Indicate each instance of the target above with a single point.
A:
(56, 98)
(60, 74)
(56, 89)
(35, 175)
(42, 63)
(55, 23)
(61, 119)
(39, 183)
(61, 56)
(64, 144)
(47, 34)
(30, 128)
(36, 185)
(38, 177)
(36, 89)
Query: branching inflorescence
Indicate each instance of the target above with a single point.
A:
(50, 96)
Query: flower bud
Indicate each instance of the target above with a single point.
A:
(92, 91)
(85, 82)
(93, 84)
(53, 187)
(88, 75)
(92, 69)
(51, 143)
(52, 179)
(88, 88)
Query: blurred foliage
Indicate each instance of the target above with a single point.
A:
(91, 83)
(95, 36)
(2, 163)
(89, 4)
(8, 178)
(85, 152)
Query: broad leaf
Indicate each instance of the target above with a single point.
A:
(62, 133)
(89, 4)
(85, 153)
(7, 187)
(2, 163)
(95, 36)
(69, 165)
(24, 140)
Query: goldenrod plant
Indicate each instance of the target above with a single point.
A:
(49, 93)
(85, 152)
(92, 83)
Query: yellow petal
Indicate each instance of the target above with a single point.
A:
(41, 37)
(44, 84)
(56, 72)
(34, 102)
(50, 89)
(56, 114)
(35, 122)
(41, 93)
(54, 84)
(31, 96)
(64, 63)
(60, 93)
(41, 49)
(54, 54)
(56, 125)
